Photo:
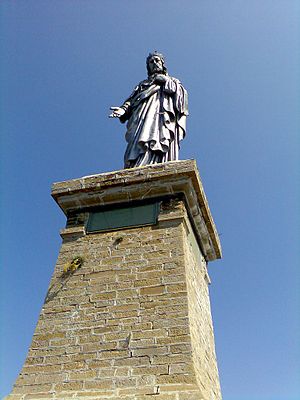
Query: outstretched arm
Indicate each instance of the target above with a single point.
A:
(117, 112)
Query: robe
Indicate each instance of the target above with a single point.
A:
(156, 122)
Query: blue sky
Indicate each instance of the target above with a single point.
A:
(64, 63)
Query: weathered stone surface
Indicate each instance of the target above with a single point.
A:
(134, 320)
(144, 183)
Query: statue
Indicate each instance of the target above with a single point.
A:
(156, 112)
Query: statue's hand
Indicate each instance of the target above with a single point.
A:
(117, 112)
(160, 78)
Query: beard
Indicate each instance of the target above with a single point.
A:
(157, 71)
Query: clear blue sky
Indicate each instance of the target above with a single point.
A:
(64, 63)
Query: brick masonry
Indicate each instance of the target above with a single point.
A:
(134, 320)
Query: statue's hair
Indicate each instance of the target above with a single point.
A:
(156, 53)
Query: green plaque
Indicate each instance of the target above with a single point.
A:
(123, 217)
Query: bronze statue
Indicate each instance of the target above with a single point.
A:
(156, 112)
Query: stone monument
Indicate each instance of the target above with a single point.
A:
(127, 314)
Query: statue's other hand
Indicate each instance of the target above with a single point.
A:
(117, 112)
(160, 78)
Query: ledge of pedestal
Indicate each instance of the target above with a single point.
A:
(142, 183)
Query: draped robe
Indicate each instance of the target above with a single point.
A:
(156, 122)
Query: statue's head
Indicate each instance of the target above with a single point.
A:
(156, 64)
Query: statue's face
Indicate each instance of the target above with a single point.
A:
(155, 65)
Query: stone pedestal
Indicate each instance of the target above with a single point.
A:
(127, 313)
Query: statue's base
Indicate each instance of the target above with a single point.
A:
(127, 312)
